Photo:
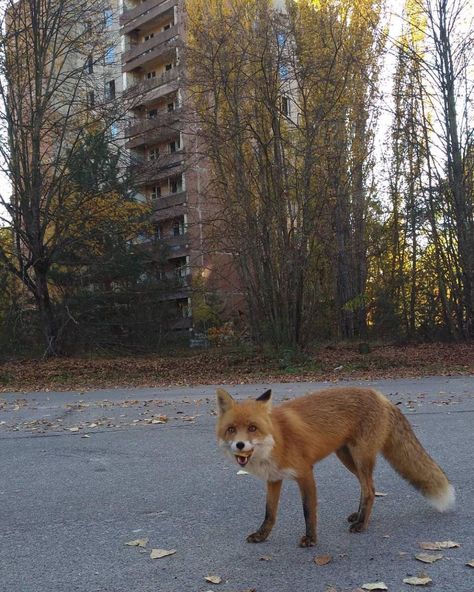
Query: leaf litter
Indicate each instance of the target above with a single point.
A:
(160, 553)
(421, 580)
(322, 559)
(428, 558)
(137, 543)
(438, 545)
(213, 579)
(374, 586)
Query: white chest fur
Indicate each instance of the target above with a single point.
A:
(263, 465)
(268, 470)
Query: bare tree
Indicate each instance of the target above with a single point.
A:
(55, 56)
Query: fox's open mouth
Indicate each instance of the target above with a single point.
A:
(243, 459)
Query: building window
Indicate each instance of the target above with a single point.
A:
(90, 65)
(182, 306)
(152, 114)
(285, 106)
(180, 267)
(176, 184)
(108, 18)
(90, 99)
(110, 90)
(158, 231)
(109, 57)
(170, 107)
(178, 226)
(168, 67)
(148, 37)
(151, 74)
(174, 146)
(154, 153)
(156, 192)
(166, 27)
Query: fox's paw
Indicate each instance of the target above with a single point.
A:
(353, 517)
(307, 541)
(256, 537)
(357, 527)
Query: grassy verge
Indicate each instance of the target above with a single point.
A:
(232, 366)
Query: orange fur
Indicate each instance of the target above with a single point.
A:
(355, 423)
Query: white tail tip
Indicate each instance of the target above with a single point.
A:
(444, 500)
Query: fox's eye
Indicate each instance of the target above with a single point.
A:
(231, 430)
(252, 428)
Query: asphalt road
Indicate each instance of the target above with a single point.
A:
(83, 473)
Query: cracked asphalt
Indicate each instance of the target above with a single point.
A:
(82, 473)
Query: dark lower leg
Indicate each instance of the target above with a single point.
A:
(308, 496)
(345, 457)
(273, 497)
(367, 500)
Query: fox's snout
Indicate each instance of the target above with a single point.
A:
(241, 446)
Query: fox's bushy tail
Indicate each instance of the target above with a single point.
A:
(407, 456)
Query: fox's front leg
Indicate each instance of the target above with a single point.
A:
(307, 487)
(271, 508)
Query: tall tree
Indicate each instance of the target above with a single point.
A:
(53, 63)
(283, 106)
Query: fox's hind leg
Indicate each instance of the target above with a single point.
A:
(345, 457)
(364, 461)
(273, 497)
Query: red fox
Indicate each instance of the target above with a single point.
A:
(355, 423)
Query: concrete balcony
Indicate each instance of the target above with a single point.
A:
(169, 206)
(145, 91)
(169, 213)
(150, 171)
(145, 132)
(182, 324)
(138, 17)
(176, 247)
(158, 46)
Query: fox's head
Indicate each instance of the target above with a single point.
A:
(244, 429)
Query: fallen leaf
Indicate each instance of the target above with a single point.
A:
(375, 586)
(213, 579)
(427, 558)
(322, 559)
(436, 546)
(137, 543)
(265, 558)
(470, 563)
(159, 553)
(75, 429)
(418, 581)
(380, 494)
(242, 473)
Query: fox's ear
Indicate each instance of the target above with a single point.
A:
(266, 398)
(224, 401)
